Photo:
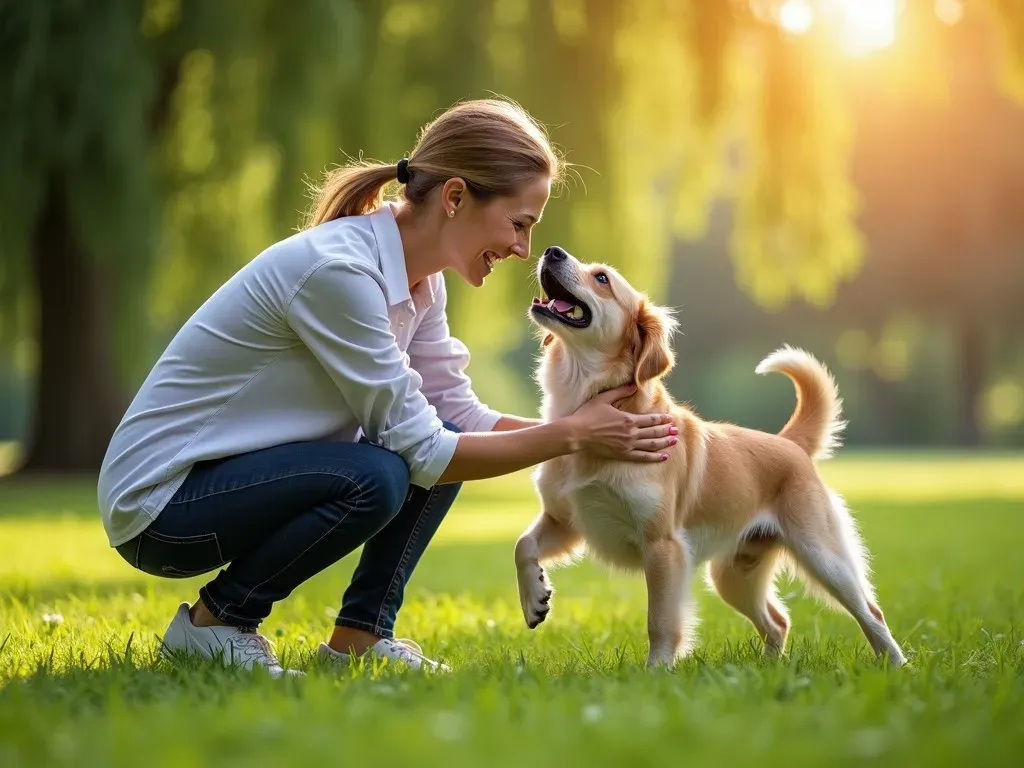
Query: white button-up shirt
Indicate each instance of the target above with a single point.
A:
(317, 338)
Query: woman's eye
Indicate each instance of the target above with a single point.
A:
(602, 278)
(518, 225)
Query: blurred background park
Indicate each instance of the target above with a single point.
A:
(844, 175)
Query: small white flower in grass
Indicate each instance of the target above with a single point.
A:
(491, 624)
(53, 619)
(592, 713)
(137, 598)
(449, 726)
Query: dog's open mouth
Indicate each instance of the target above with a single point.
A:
(559, 303)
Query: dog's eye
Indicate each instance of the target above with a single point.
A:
(602, 278)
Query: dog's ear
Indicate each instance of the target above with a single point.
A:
(654, 329)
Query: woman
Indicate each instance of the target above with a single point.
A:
(317, 402)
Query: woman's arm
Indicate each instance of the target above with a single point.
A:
(507, 423)
(481, 455)
(598, 427)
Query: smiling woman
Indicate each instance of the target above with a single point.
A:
(317, 401)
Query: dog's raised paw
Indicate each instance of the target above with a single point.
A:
(535, 593)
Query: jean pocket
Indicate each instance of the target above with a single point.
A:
(178, 556)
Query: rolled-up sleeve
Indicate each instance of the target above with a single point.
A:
(442, 359)
(340, 312)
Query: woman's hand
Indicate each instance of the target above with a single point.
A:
(603, 430)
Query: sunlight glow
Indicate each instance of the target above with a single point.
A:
(861, 26)
(949, 11)
(867, 25)
(796, 16)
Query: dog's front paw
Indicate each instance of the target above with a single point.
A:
(534, 593)
(661, 659)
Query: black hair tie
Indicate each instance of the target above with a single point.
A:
(403, 171)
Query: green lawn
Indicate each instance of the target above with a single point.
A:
(947, 536)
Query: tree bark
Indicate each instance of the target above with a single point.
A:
(77, 396)
(970, 341)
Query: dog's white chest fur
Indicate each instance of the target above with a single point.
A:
(612, 516)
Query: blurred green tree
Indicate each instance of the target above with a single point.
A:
(136, 130)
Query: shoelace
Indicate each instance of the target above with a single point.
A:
(410, 650)
(255, 647)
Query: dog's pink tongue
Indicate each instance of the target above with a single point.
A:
(562, 306)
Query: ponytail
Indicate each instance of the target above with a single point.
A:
(350, 191)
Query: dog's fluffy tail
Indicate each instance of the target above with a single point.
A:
(816, 425)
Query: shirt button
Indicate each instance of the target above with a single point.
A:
(401, 325)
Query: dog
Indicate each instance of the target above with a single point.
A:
(742, 503)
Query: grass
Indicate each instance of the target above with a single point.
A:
(79, 682)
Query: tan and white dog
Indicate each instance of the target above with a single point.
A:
(742, 502)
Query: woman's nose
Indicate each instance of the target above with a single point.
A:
(521, 248)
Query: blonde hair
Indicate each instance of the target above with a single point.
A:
(493, 145)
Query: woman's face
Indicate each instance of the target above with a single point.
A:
(483, 233)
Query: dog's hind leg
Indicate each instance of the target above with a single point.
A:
(820, 535)
(745, 580)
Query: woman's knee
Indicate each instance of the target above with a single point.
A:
(389, 488)
(388, 485)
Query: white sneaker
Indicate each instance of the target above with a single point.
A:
(233, 646)
(393, 650)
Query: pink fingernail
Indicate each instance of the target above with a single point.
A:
(664, 457)
(673, 441)
(673, 431)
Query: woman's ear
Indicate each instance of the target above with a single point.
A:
(453, 193)
(654, 355)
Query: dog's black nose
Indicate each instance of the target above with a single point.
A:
(556, 254)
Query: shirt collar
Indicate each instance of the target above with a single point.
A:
(390, 255)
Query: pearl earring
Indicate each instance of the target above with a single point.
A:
(451, 213)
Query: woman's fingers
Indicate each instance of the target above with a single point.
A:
(645, 420)
(646, 456)
(662, 430)
(660, 444)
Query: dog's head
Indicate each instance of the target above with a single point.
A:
(592, 308)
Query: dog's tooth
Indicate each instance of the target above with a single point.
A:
(551, 305)
(576, 313)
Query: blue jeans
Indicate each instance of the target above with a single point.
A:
(281, 515)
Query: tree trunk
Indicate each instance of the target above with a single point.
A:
(970, 341)
(77, 400)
